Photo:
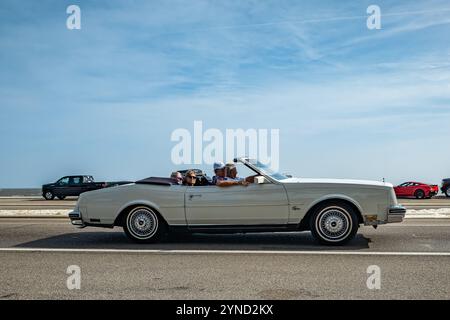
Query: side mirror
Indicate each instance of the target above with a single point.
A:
(259, 179)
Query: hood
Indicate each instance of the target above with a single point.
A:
(48, 185)
(338, 181)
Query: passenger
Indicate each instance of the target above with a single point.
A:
(176, 177)
(219, 172)
(190, 179)
(220, 179)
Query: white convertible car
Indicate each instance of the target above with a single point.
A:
(331, 209)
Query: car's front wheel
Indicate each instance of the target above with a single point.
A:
(48, 195)
(334, 223)
(447, 191)
(144, 225)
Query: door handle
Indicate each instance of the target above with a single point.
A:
(194, 195)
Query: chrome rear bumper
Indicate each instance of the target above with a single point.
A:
(76, 219)
(396, 213)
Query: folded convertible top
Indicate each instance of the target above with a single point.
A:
(156, 180)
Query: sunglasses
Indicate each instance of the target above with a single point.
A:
(192, 177)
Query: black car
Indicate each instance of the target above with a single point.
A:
(445, 188)
(74, 186)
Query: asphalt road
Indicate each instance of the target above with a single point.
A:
(413, 257)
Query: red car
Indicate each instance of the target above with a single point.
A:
(416, 189)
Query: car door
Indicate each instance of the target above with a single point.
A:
(400, 190)
(60, 187)
(75, 186)
(256, 204)
(411, 189)
(408, 189)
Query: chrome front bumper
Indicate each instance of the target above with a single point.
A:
(76, 219)
(396, 213)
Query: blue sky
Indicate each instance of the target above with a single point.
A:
(349, 102)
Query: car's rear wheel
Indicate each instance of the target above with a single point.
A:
(48, 195)
(419, 194)
(143, 225)
(447, 191)
(334, 223)
(61, 197)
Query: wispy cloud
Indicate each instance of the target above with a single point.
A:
(139, 69)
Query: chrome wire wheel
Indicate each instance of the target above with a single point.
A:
(142, 223)
(333, 224)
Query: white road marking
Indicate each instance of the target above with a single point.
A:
(272, 252)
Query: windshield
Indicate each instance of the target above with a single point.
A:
(267, 170)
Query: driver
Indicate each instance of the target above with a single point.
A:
(220, 179)
(231, 172)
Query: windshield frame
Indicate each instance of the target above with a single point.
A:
(262, 169)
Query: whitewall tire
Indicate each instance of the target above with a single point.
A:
(143, 224)
(334, 223)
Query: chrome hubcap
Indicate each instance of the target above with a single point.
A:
(334, 223)
(142, 223)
